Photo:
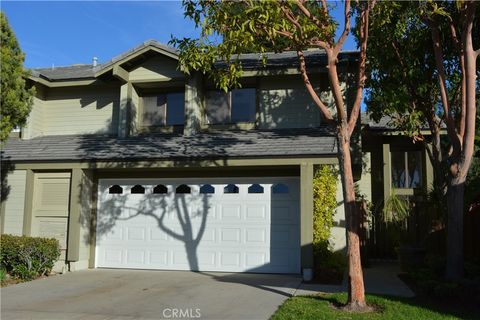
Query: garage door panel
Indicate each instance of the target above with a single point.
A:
(239, 232)
(256, 212)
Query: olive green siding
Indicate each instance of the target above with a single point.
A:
(365, 182)
(158, 68)
(80, 110)
(14, 204)
(306, 214)
(134, 111)
(35, 121)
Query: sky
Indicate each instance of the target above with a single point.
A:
(63, 33)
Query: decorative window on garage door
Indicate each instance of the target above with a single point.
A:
(279, 188)
(207, 188)
(115, 189)
(183, 189)
(230, 188)
(160, 189)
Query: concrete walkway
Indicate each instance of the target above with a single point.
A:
(381, 278)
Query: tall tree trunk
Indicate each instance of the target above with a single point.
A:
(356, 292)
(455, 193)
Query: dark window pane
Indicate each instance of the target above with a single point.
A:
(153, 110)
(398, 169)
(243, 105)
(217, 107)
(175, 108)
(182, 189)
(160, 189)
(231, 188)
(414, 170)
(279, 188)
(207, 188)
(116, 189)
(137, 189)
(255, 188)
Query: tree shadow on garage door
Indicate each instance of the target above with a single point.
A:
(173, 213)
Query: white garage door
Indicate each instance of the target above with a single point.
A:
(235, 225)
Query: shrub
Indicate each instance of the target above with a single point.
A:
(28, 257)
(329, 266)
(324, 204)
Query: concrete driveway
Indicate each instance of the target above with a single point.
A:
(139, 294)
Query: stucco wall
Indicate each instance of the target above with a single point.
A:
(15, 202)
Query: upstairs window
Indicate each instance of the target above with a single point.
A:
(164, 109)
(406, 169)
(238, 105)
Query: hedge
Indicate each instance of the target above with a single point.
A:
(27, 258)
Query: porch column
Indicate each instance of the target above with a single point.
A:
(123, 114)
(306, 219)
(78, 249)
(28, 205)
(193, 105)
(387, 172)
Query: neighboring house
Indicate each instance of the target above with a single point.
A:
(132, 164)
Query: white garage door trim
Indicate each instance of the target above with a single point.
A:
(240, 232)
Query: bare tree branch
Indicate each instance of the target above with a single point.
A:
(346, 30)
(364, 20)
(308, 14)
(438, 51)
(318, 102)
(470, 89)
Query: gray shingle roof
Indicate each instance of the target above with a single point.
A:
(249, 61)
(386, 123)
(80, 71)
(213, 145)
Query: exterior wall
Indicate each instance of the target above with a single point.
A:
(158, 68)
(79, 220)
(283, 102)
(365, 182)
(338, 237)
(34, 126)
(80, 110)
(134, 111)
(15, 203)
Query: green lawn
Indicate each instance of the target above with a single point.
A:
(325, 306)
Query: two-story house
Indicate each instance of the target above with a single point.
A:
(132, 164)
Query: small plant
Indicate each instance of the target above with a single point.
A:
(396, 208)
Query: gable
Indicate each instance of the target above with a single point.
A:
(156, 68)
